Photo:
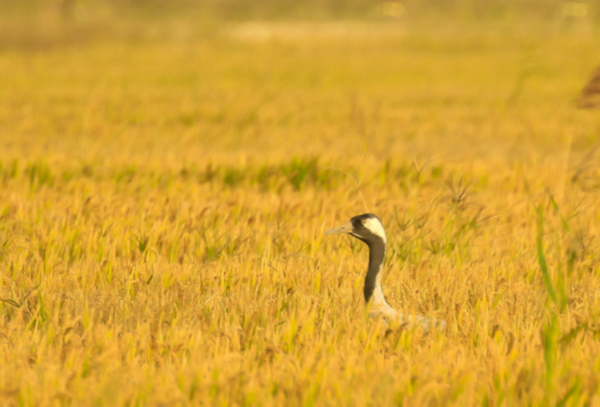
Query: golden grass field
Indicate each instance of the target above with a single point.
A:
(164, 199)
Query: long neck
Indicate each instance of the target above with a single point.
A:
(372, 289)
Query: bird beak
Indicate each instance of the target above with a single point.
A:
(345, 228)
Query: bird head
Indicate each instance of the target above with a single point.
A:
(366, 227)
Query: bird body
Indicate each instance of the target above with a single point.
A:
(369, 229)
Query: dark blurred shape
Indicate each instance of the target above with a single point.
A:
(67, 9)
(590, 95)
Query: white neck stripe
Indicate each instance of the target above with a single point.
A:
(375, 226)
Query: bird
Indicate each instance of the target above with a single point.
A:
(369, 229)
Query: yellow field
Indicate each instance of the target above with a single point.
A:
(164, 199)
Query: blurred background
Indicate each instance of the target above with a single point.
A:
(102, 78)
(39, 23)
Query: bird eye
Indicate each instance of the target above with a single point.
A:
(364, 221)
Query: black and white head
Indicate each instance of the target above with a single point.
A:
(366, 227)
